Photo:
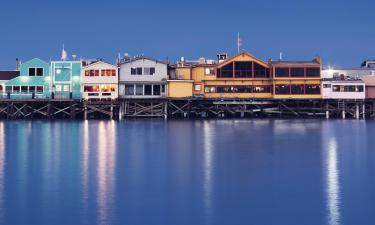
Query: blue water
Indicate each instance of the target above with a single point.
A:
(187, 172)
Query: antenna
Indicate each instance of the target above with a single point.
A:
(239, 42)
(64, 54)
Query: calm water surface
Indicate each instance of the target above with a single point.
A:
(187, 172)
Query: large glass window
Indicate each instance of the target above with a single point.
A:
(262, 89)
(282, 72)
(139, 89)
(129, 89)
(243, 69)
(297, 72)
(24, 89)
(16, 89)
(148, 89)
(297, 89)
(39, 89)
(32, 89)
(209, 71)
(226, 71)
(313, 72)
(282, 89)
(260, 71)
(360, 88)
(312, 89)
(156, 90)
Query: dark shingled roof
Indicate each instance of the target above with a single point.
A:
(8, 75)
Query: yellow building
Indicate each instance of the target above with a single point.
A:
(297, 79)
(244, 76)
(241, 76)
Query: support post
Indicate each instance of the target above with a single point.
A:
(357, 111)
(363, 110)
(327, 110)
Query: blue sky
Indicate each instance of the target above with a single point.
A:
(341, 32)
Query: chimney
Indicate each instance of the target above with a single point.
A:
(17, 64)
(317, 59)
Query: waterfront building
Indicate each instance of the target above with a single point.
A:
(5, 76)
(370, 86)
(296, 79)
(66, 79)
(240, 76)
(33, 81)
(344, 89)
(142, 77)
(99, 80)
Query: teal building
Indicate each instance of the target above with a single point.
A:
(66, 77)
(34, 81)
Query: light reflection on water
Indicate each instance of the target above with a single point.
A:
(182, 172)
(208, 149)
(333, 186)
(2, 167)
(106, 166)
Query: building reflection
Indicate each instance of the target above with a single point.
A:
(2, 168)
(208, 155)
(106, 156)
(332, 185)
(85, 168)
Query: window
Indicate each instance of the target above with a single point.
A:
(156, 90)
(209, 71)
(312, 89)
(148, 89)
(243, 69)
(209, 89)
(197, 87)
(16, 89)
(282, 72)
(91, 88)
(262, 89)
(136, 71)
(149, 70)
(297, 89)
(225, 71)
(39, 89)
(39, 71)
(326, 85)
(282, 89)
(297, 72)
(313, 72)
(32, 71)
(24, 89)
(260, 71)
(107, 88)
(349, 88)
(32, 89)
(87, 73)
(129, 89)
(108, 73)
(360, 88)
(138, 89)
(8, 88)
(163, 89)
(1, 88)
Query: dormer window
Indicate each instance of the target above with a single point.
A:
(37, 71)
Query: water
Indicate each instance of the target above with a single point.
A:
(187, 172)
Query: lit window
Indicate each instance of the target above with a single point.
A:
(198, 87)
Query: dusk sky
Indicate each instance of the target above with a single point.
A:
(341, 32)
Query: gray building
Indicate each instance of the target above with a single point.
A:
(142, 77)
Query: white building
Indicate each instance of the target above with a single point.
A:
(344, 89)
(142, 77)
(99, 81)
